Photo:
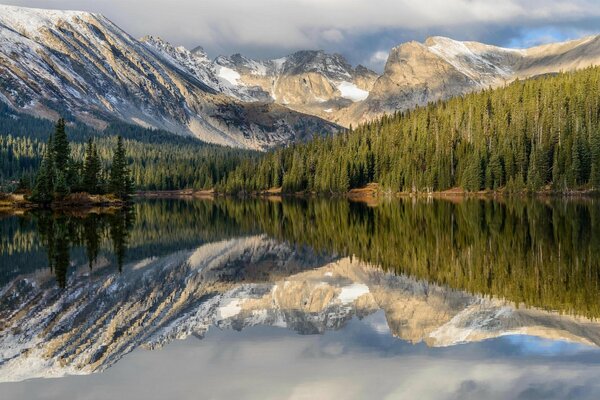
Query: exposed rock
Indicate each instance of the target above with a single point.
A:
(78, 63)
(418, 73)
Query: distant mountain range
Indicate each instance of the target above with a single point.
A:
(81, 65)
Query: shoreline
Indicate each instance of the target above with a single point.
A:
(370, 194)
(18, 204)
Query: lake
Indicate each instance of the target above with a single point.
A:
(303, 299)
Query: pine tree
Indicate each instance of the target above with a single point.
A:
(472, 174)
(91, 169)
(120, 182)
(595, 171)
(43, 191)
(61, 187)
(61, 148)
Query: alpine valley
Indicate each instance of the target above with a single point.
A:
(82, 66)
(285, 223)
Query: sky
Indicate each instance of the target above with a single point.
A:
(362, 30)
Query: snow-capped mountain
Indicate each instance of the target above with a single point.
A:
(312, 82)
(308, 81)
(69, 62)
(101, 316)
(440, 68)
(79, 63)
(327, 86)
(196, 62)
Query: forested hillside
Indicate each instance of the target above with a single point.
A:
(158, 159)
(536, 134)
(529, 135)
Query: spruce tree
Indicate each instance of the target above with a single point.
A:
(595, 170)
(91, 169)
(43, 191)
(61, 187)
(120, 182)
(61, 148)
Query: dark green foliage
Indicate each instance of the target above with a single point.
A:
(120, 182)
(60, 147)
(529, 135)
(595, 161)
(92, 170)
(59, 175)
(158, 160)
(43, 191)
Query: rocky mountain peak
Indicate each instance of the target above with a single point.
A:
(199, 52)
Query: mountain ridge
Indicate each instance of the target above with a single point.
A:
(80, 63)
(440, 68)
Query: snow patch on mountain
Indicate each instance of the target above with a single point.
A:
(29, 21)
(477, 61)
(350, 293)
(229, 75)
(352, 92)
(230, 308)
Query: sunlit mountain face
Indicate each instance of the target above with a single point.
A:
(477, 280)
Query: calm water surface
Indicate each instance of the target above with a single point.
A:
(303, 299)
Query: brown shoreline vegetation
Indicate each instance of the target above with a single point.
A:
(372, 192)
(369, 194)
(16, 203)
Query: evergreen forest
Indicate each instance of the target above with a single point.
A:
(537, 134)
(541, 133)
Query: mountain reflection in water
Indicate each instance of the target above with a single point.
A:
(81, 291)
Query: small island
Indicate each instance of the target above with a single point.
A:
(63, 182)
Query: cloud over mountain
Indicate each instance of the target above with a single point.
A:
(357, 29)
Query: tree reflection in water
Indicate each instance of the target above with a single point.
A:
(59, 233)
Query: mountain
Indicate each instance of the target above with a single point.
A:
(101, 316)
(417, 73)
(313, 82)
(327, 86)
(82, 65)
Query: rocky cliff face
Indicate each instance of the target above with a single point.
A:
(312, 82)
(64, 62)
(102, 315)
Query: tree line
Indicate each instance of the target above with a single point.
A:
(541, 133)
(158, 160)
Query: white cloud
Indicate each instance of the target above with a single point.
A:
(333, 35)
(378, 58)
